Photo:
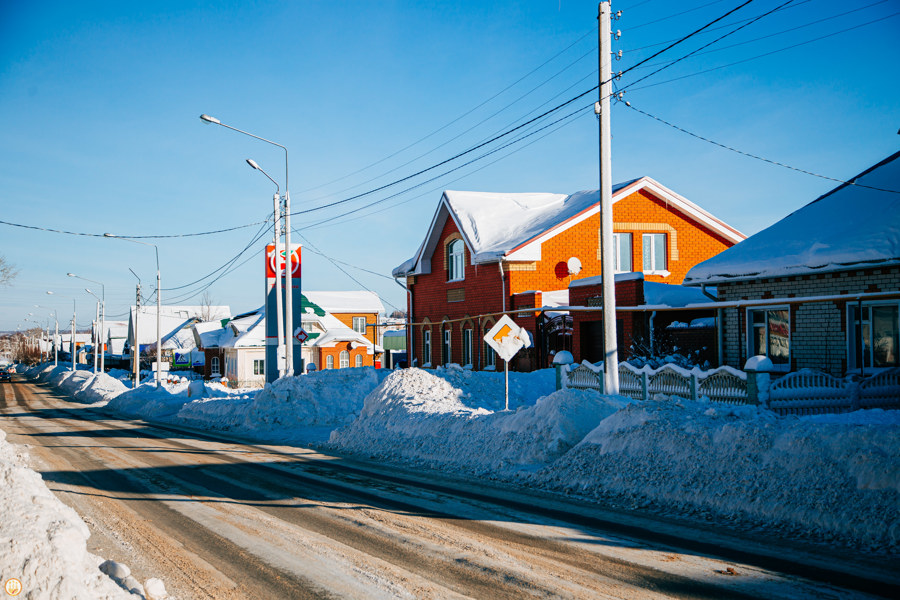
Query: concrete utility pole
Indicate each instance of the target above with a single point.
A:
(72, 346)
(136, 347)
(611, 358)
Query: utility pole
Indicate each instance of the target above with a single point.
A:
(136, 347)
(611, 358)
(73, 336)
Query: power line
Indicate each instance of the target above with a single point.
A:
(707, 45)
(748, 154)
(758, 56)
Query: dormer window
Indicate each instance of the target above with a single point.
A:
(456, 260)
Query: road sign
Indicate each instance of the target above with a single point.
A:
(507, 338)
(301, 335)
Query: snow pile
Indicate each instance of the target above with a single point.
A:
(834, 476)
(324, 398)
(419, 417)
(43, 542)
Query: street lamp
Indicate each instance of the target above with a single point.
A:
(279, 318)
(158, 305)
(288, 292)
(102, 317)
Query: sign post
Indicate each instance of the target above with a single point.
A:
(275, 263)
(507, 338)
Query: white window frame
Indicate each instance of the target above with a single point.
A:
(259, 366)
(467, 347)
(214, 367)
(751, 333)
(358, 361)
(329, 361)
(649, 258)
(447, 346)
(344, 359)
(617, 252)
(426, 347)
(869, 348)
(359, 325)
(456, 260)
(489, 356)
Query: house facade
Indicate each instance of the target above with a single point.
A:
(341, 329)
(820, 288)
(485, 254)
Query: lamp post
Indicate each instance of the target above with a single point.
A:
(158, 305)
(96, 337)
(55, 334)
(288, 292)
(102, 316)
(279, 317)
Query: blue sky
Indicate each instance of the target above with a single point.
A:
(99, 127)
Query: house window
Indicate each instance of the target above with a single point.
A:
(467, 347)
(329, 362)
(654, 252)
(490, 358)
(345, 359)
(214, 366)
(879, 327)
(446, 355)
(359, 325)
(426, 348)
(456, 260)
(259, 366)
(769, 333)
(622, 248)
(358, 360)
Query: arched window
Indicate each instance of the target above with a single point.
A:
(214, 367)
(345, 359)
(329, 362)
(359, 360)
(456, 260)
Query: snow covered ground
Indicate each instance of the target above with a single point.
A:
(829, 478)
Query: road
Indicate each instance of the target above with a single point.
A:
(219, 518)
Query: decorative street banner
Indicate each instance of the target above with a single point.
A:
(276, 264)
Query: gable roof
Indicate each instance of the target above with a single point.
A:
(359, 301)
(505, 226)
(849, 227)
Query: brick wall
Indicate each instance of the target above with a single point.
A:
(482, 291)
(347, 319)
(818, 329)
(324, 353)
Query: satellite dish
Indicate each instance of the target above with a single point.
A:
(574, 266)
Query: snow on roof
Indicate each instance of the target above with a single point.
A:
(171, 319)
(359, 301)
(667, 294)
(248, 331)
(513, 226)
(556, 298)
(849, 227)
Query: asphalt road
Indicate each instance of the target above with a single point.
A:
(220, 518)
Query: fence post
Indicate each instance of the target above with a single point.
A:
(645, 394)
(757, 369)
(693, 387)
(561, 361)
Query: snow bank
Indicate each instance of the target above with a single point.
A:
(417, 416)
(43, 542)
(833, 476)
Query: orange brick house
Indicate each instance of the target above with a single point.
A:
(488, 253)
(340, 329)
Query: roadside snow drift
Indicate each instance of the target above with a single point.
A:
(43, 542)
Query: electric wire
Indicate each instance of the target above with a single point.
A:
(755, 156)
(770, 53)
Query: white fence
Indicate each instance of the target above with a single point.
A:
(809, 392)
(724, 384)
(804, 392)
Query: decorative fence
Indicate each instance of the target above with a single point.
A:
(724, 384)
(809, 392)
(804, 392)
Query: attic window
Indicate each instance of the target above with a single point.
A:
(456, 260)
